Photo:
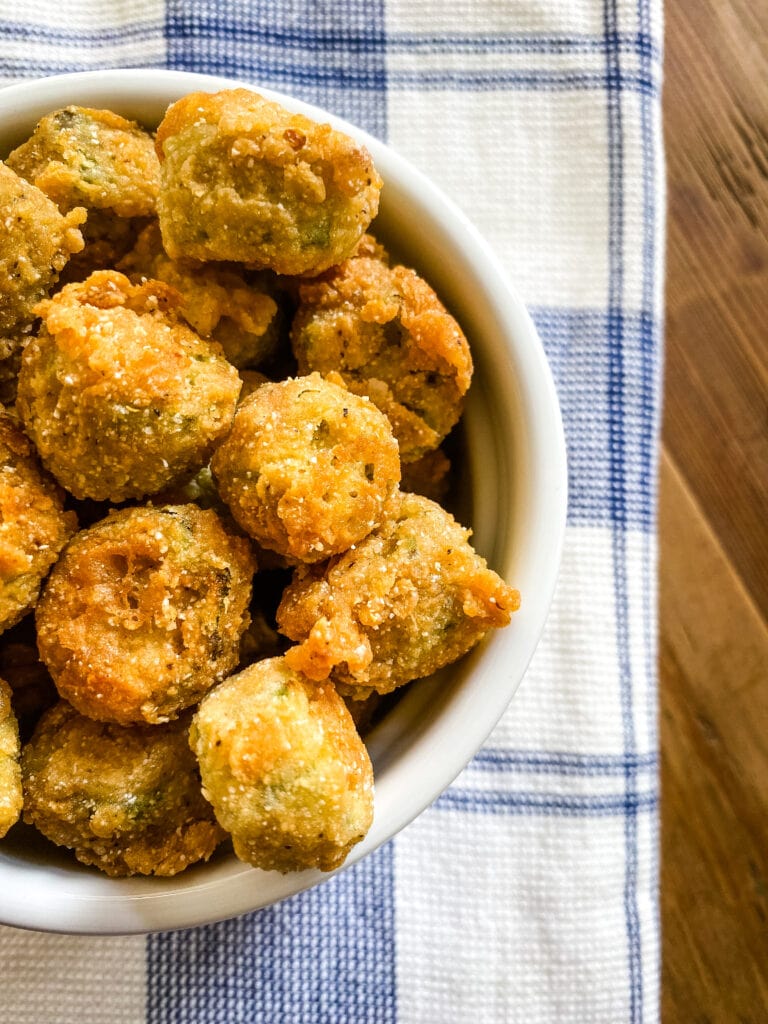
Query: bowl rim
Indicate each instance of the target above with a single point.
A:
(449, 736)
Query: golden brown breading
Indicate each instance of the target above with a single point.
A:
(10, 771)
(93, 158)
(284, 768)
(410, 598)
(217, 300)
(121, 398)
(390, 337)
(308, 468)
(244, 179)
(33, 524)
(144, 612)
(126, 799)
(35, 244)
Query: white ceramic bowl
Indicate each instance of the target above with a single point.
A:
(514, 496)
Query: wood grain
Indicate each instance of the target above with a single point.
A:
(713, 515)
(716, 112)
(714, 757)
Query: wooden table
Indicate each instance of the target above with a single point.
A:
(714, 517)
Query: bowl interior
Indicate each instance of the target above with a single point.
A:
(512, 491)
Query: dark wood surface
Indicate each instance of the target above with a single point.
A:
(713, 526)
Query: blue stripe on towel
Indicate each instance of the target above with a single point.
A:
(326, 956)
(549, 762)
(504, 801)
(618, 428)
(241, 39)
(592, 354)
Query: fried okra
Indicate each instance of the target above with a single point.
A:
(126, 799)
(244, 179)
(284, 768)
(10, 771)
(35, 244)
(390, 337)
(308, 468)
(410, 598)
(144, 612)
(216, 300)
(120, 397)
(33, 524)
(92, 158)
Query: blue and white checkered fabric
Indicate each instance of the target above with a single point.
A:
(527, 893)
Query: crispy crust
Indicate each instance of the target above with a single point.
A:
(389, 336)
(121, 398)
(284, 768)
(93, 158)
(244, 179)
(216, 300)
(33, 524)
(308, 469)
(126, 800)
(35, 244)
(412, 597)
(144, 611)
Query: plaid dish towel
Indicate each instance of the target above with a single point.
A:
(527, 892)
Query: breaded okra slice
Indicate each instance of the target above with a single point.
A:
(284, 767)
(33, 524)
(244, 179)
(308, 469)
(388, 335)
(144, 612)
(97, 159)
(126, 800)
(410, 598)
(119, 395)
(35, 243)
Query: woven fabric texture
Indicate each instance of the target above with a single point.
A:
(528, 892)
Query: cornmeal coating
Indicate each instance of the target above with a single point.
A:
(93, 158)
(144, 611)
(284, 768)
(33, 524)
(216, 299)
(35, 244)
(125, 799)
(390, 337)
(412, 597)
(120, 397)
(308, 469)
(11, 799)
(244, 179)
